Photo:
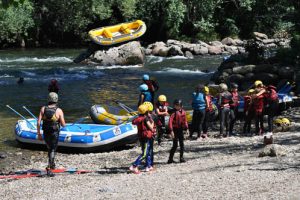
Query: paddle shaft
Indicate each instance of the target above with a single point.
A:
(21, 116)
(30, 113)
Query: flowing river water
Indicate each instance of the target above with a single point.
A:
(82, 86)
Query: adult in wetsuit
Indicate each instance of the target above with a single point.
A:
(53, 118)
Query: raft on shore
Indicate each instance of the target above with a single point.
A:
(111, 35)
(87, 137)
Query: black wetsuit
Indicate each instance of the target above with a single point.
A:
(51, 130)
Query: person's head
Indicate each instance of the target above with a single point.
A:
(177, 104)
(53, 82)
(52, 98)
(143, 109)
(223, 87)
(146, 77)
(199, 88)
(149, 104)
(251, 92)
(162, 99)
(234, 87)
(206, 90)
(143, 87)
(258, 84)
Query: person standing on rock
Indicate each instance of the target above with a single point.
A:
(152, 86)
(198, 105)
(258, 105)
(145, 127)
(177, 124)
(224, 100)
(52, 117)
(145, 95)
(233, 106)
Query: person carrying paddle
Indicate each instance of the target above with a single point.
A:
(53, 118)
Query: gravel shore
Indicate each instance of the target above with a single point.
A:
(227, 168)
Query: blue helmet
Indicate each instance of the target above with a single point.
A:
(143, 87)
(146, 77)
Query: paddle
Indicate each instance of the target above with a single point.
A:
(21, 116)
(127, 108)
(30, 113)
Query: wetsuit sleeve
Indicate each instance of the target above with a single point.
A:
(171, 122)
(185, 121)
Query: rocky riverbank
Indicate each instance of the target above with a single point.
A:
(227, 168)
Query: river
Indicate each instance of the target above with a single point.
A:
(81, 86)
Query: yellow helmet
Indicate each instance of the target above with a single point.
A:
(285, 121)
(277, 122)
(143, 109)
(149, 105)
(257, 83)
(162, 98)
(206, 90)
(251, 91)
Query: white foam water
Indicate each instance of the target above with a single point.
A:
(36, 59)
(182, 71)
(119, 67)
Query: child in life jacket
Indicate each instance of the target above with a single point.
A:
(233, 106)
(145, 95)
(162, 112)
(224, 100)
(199, 105)
(258, 106)
(248, 111)
(271, 105)
(152, 86)
(209, 110)
(177, 124)
(145, 133)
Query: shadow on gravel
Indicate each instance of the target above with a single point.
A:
(113, 170)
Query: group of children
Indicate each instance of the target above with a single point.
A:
(258, 101)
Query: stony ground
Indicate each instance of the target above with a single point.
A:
(227, 168)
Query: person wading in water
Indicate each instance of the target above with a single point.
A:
(53, 118)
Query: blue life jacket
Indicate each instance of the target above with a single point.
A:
(198, 101)
(147, 96)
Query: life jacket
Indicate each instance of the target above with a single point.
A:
(247, 103)
(178, 120)
(147, 96)
(152, 85)
(209, 106)
(198, 102)
(50, 122)
(235, 99)
(258, 104)
(225, 99)
(271, 94)
(161, 108)
(143, 130)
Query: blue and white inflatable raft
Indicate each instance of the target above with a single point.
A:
(81, 136)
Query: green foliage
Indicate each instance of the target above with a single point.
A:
(15, 22)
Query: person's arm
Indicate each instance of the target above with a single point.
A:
(150, 124)
(61, 118)
(261, 92)
(38, 125)
(171, 125)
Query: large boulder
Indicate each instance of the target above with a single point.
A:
(228, 41)
(286, 72)
(260, 36)
(188, 54)
(127, 54)
(236, 78)
(163, 51)
(231, 49)
(216, 43)
(263, 68)
(200, 50)
(156, 47)
(214, 50)
(267, 78)
(185, 46)
(175, 51)
(243, 69)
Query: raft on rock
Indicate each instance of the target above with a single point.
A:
(111, 35)
(86, 137)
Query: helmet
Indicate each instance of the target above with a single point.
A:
(53, 97)
(143, 109)
(177, 102)
(285, 122)
(146, 77)
(200, 87)
(143, 87)
(257, 83)
(206, 90)
(277, 122)
(149, 104)
(234, 86)
(251, 91)
(223, 87)
(162, 98)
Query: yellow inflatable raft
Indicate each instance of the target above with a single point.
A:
(110, 35)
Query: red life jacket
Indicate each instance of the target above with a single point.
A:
(152, 85)
(143, 130)
(247, 102)
(235, 99)
(162, 107)
(258, 104)
(178, 120)
(271, 94)
(226, 98)
(209, 105)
